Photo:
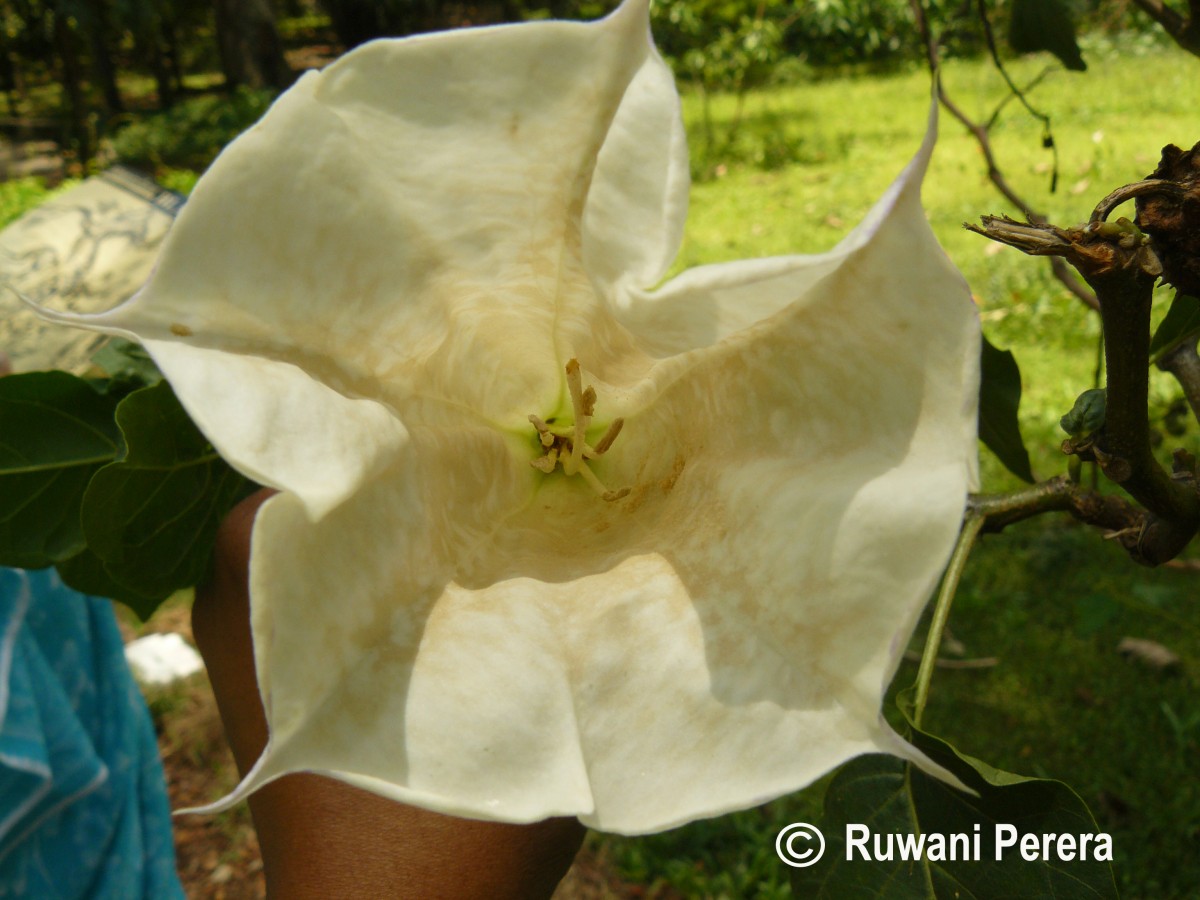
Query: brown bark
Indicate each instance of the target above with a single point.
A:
(72, 81)
(99, 31)
(249, 45)
(1119, 264)
(1168, 209)
(1184, 30)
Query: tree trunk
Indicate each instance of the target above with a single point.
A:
(106, 73)
(10, 78)
(358, 21)
(64, 44)
(249, 45)
(170, 44)
(162, 75)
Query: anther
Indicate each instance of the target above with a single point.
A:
(546, 463)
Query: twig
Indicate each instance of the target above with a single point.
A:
(1009, 97)
(1058, 494)
(1137, 189)
(1061, 271)
(1185, 32)
(1170, 20)
(983, 662)
(1047, 135)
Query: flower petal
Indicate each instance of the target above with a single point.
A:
(372, 290)
(799, 459)
(706, 304)
(721, 636)
(637, 202)
(284, 429)
(390, 215)
(417, 695)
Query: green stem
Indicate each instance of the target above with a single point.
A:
(941, 612)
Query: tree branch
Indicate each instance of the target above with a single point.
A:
(1014, 91)
(1125, 297)
(1184, 31)
(1120, 266)
(1058, 494)
(1171, 21)
(1058, 268)
(1148, 186)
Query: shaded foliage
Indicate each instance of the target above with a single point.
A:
(191, 133)
(92, 50)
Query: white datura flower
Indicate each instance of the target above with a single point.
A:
(553, 538)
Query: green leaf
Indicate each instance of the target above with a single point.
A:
(56, 431)
(1088, 414)
(999, 400)
(890, 796)
(151, 518)
(85, 573)
(1045, 25)
(1182, 322)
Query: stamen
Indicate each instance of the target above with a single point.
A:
(546, 463)
(575, 385)
(574, 378)
(607, 441)
(598, 486)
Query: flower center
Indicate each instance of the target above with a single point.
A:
(568, 446)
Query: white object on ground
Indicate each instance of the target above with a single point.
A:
(160, 659)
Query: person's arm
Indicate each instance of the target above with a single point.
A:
(322, 838)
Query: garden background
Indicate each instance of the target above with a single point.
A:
(799, 114)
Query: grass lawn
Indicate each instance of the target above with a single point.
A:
(837, 144)
(1050, 600)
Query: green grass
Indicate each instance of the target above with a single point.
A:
(23, 194)
(1050, 599)
(846, 139)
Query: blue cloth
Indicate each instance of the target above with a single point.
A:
(83, 802)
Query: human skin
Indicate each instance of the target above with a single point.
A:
(322, 838)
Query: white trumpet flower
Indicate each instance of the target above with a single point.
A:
(417, 299)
